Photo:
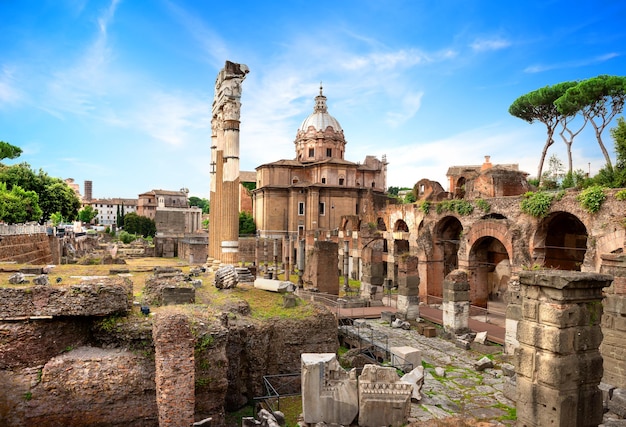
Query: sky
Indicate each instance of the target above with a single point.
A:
(119, 92)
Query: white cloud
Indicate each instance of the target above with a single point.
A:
(539, 68)
(482, 45)
(9, 92)
(409, 106)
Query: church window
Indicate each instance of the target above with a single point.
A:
(329, 152)
(323, 180)
(311, 152)
(300, 208)
(341, 181)
(322, 208)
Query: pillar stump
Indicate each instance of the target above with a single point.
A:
(408, 287)
(558, 362)
(174, 370)
(456, 304)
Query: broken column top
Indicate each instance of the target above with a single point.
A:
(314, 358)
(564, 279)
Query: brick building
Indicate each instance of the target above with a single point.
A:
(313, 191)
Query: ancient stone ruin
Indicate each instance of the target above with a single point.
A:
(332, 395)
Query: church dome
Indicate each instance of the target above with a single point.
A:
(320, 119)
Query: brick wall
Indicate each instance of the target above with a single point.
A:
(25, 248)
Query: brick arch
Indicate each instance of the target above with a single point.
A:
(400, 225)
(491, 228)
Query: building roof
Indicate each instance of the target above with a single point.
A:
(320, 119)
(247, 176)
(163, 193)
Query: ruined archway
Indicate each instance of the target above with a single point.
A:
(444, 259)
(560, 242)
(490, 271)
(400, 244)
(459, 188)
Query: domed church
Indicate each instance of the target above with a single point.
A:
(313, 191)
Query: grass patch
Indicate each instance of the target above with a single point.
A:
(511, 413)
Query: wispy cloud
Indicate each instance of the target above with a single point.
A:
(482, 45)
(409, 106)
(571, 64)
(9, 92)
(212, 45)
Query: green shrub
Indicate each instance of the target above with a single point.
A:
(536, 204)
(591, 198)
(126, 237)
(461, 207)
(621, 195)
(425, 207)
(483, 205)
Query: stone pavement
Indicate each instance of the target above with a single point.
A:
(462, 391)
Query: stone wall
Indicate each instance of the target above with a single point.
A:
(25, 248)
(87, 369)
(95, 297)
(558, 362)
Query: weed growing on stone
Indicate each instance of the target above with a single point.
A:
(28, 396)
(511, 413)
(591, 198)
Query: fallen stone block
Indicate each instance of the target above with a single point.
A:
(416, 379)
(617, 404)
(465, 345)
(387, 316)
(481, 337)
(483, 364)
(440, 372)
(17, 279)
(508, 370)
(403, 356)
(42, 280)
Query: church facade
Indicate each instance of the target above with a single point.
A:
(312, 192)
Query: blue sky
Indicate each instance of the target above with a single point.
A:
(120, 92)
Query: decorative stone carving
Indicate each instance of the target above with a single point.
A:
(384, 399)
(329, 393)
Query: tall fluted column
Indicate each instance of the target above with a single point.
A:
(224, 218)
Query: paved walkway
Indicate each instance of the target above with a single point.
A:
(495, 332)
(461, 391)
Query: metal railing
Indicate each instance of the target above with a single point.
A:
(482, 314)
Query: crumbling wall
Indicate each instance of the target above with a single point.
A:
(25, 248)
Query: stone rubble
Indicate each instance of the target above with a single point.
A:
(461, 391)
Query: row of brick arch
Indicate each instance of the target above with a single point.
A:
(490, 250)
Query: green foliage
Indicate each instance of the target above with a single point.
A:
(618, 134)
(461, 207)
(204, 342)
(28, 395)
(409, 198)
(56, 219)
(591, 198)
(204, 204)
(621, 195)
(87, 214)
(141, 225)
(249, 185)
(599, 100)
(483, 205)
(18, 205)
(393, 191)
(246, 223)
(53, 193)
(8, 151)
(205, 223)
(576, 179)
(126, 237)
(425, 207)
(536, 204)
